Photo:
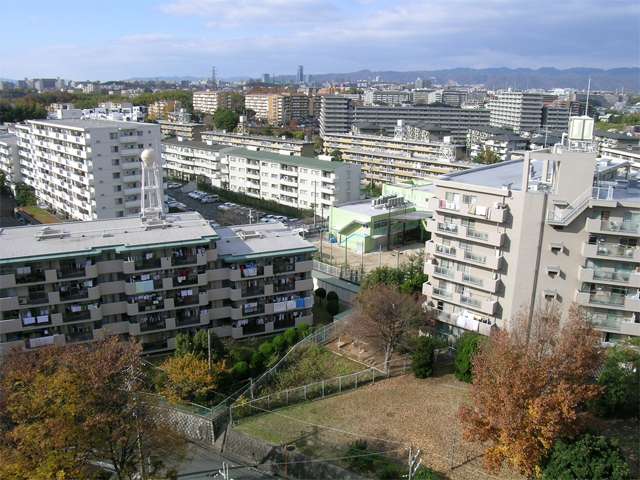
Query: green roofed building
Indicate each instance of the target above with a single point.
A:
(396, 218)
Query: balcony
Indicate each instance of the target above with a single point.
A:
(493, 214)
(609, 276)
(286, 323)
(35, 276)
(150, 325)
(33, 299)
(611, 250)
(183, 318)
(614, 323)
(252, 291)
(610, 300)
(147, 263)
(612, 227)
(76, 316)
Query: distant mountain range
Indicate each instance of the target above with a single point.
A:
(501, 77)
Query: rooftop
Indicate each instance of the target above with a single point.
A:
(365, 209)
(259, 239)
(298, 161)
(498, 132)
(216, 147)
(90, 123)
(8, 138)
(256, 137)
(493, 176)
(126, 233)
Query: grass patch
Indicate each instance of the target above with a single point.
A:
(313, 364)
(40, 214)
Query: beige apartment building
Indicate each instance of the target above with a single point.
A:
(209, 101)
(555, 226)
(282, 145)
(150, 280)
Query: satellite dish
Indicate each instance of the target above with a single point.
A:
(148, 157)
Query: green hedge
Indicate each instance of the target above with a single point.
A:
(259, 203)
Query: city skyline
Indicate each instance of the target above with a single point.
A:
(247, 38)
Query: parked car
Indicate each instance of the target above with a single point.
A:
(173, 185)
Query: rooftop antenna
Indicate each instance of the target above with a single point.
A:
(586, 106)
(152, 192)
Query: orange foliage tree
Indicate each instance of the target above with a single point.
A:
(189, 379)
(529, 388)
(64, 410)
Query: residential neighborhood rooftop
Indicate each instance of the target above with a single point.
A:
(259, 239)
(298, 161)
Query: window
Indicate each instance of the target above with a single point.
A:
(116, 175)
(469, 199)
(115, 162)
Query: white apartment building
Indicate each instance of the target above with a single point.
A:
(300, 182)
(387, 97)
(84, 281)
(209, 101)
(285, 146)
(519, 111)
(408, 156)
(556, 226)
(85, 169)
(9, 160)
(497, 140)
(190, 160)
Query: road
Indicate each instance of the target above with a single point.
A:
(203, 464)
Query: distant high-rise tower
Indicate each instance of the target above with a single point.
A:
(214, 80)
(300, 75)
(419, 83)
(266, 78)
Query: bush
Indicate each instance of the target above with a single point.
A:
(423, 357)
(303, 330)
(621, 384)
(25, 195)
(279, 343)
(390, 471)
(425, 473)
(241, 354)
(257, 362)
(466, 348)
(333, 303)
(321, 293)
(592, 457)
(266, 349)
(240, 370)
(291, 336)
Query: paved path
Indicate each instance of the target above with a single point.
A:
(203, 464)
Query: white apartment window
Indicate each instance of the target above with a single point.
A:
(114, 149)
(115, 161)
(116, 175)
(469, 199)
(117, 188)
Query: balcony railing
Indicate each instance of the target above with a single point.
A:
(74, 294)
(251, 292)
(445, 250)
(477, 235)
(284, 287)
(186, 260)
(152, 325)
(72, 273)
(441, 292)
(624, 227)
(253, 328)
(471, 279)
(286, 323)
(34, 299)
(76, 316)
(614, 250)
(612, 275)
(474, 302)
(37, 276)
(147, 263)
(183, 319)
(475, 258)
(445, 272)
(606, 298)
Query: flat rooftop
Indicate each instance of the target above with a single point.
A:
(8, 138)
(259, 239)
(85, 123)
(216, 147)
(298, 161)
(364, 208)
(263, 138)
(76, 238)
(493, 176)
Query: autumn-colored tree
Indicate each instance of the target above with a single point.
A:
(64, 410)
(383, 317)
(529, 387)
(189, 379)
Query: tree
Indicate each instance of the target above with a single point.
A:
(592, 457)
(408, 278)
(224, 119)
(62, 409)
(383, 316)
(423, 356)
(25, 195)
(620, 379)
(530, 386)
(336, 155)
(3, 182)
(197, 345)
(320, 293)
(487, 157)
(298, 135)
(333, 303)
(466, 348)
(189, 379)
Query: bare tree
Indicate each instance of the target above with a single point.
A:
(383, 317)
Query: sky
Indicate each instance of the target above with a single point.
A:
(122, 39)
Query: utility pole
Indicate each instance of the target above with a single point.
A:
(414, 462)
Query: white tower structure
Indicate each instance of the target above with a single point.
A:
(152, 189)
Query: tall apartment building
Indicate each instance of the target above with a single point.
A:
(497, 140)
(259, 103)
(84, 281)
(265, 143)
(555, 116)
(190, 160)
(296, 106)
(556, 226)
(408, 156)
(336, 114)
(300, 182)
(276, 113)
(210, 100)
(457, 120)
(85, 169)
(519, 111)
(9, 159)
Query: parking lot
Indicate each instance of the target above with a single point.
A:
(226, 213)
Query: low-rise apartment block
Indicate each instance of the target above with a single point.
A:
(497, 140)
(190, 160)
(300, 182)
(556, 226)
(288, 146)
(80, 282)
(187, 130)
(85, 169)
(409, 155)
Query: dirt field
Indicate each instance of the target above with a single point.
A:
(387, 411)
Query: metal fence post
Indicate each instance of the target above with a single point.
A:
(322, 388)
